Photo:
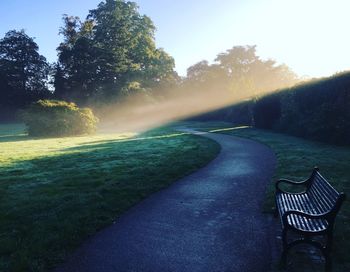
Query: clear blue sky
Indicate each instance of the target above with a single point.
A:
(311, 36)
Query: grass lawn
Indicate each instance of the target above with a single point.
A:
(296, 158)
(56, 192)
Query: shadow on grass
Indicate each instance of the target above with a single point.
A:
(14, 138)
(13, 133)
(50, 205)
(101, 144)
(20, 137)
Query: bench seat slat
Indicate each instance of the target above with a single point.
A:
(295, 206)
(285, 205)
(303, 224)
(307, 207)
(309, 224)
(287, 202)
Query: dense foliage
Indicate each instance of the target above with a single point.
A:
(58, 118)
(267, 111)
(317, 110)
(239, 114)
(240, 72)
(23, 73)
(110, 53)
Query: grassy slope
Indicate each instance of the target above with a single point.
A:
(296, 158)
(56, 192)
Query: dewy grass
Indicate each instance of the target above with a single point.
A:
(296, 158)
(56, 192)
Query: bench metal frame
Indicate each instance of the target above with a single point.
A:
(308, 235)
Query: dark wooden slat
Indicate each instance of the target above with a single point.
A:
(323, 202)
(301, 202)
(315, 198)
(312, 224)
(314, 202)
(326, 189)
(288, 206)
(294, 206)
(328, 185)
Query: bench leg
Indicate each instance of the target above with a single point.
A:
(327, 252)
(284, 239)
(283, 262)
(328, 265)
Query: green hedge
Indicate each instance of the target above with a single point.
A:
(58, 118)
(317, 110)
(267, 111)
(239, 114)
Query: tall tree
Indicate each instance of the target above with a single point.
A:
(25, 68)
(240, 72)
(249, 74)
(112, 49)
(23, 71)
(204, 77)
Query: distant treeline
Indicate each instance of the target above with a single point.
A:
(111, 55)
(317, 110)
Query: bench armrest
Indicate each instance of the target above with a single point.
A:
(305, 214)
(287, 181)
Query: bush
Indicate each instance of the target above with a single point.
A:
(58, 118)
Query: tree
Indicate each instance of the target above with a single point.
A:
(111, 49)
(23, 71)
(25, 68)
(240, 72)
(199, 71)
(249, 74)
(73, 73)
(204, 77)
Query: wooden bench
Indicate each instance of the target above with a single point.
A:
(311, 212)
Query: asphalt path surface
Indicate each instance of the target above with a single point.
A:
(210, 220)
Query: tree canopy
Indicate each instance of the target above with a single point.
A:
(24, 67)
(109, 51)
(23, 71)
(242, 72)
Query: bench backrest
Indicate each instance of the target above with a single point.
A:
(324, 196)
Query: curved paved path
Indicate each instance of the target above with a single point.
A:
(208, 221)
